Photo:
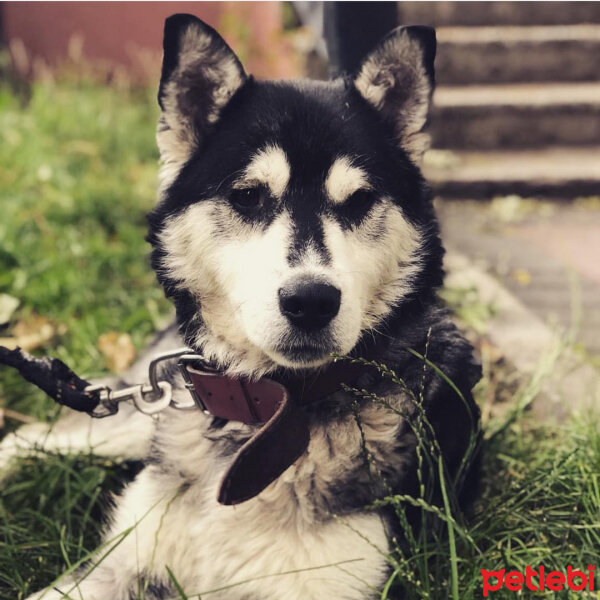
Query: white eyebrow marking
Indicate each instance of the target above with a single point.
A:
(344, 179)
(269, 167)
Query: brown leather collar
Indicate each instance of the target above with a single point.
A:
(284, 434)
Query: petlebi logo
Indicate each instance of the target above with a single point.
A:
(538, 580)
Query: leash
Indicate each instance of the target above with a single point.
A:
(59, 382)
(283, 434)
(150, 398)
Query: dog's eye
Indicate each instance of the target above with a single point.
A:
(360, 199)
(359, 203)
(354, 209)
(248, 198)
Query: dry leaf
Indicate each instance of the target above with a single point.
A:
(522, 276)
(118, 350)
(30, 334)
(491, 352)
(8, 305)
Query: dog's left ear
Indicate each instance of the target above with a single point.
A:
(397, 78)
(200, 73)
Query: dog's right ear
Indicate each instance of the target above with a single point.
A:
(200, 73)
(397, 78)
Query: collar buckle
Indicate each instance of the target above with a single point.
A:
(199, 363)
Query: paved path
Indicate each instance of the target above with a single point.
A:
(547, 255)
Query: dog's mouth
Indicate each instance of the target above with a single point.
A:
(304, 354)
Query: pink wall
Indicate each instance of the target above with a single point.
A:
(129, 34)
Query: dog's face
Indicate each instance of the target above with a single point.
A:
(292, 219)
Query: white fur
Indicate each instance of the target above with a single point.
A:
(235, 548)
(77, 432)
(344, 179)
(235, 270)
(269, 167)
(376, 271)
(235, 279)
(274, 546)
(176, 137)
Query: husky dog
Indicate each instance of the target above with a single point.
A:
(293, 224)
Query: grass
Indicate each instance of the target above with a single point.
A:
(77, 178)
(78, 175)
(539, 505)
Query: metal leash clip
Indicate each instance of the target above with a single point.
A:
(150, 398)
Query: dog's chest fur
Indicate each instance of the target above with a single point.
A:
(306, 519)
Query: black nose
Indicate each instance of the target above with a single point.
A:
(309, 305)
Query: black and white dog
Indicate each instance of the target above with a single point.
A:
(293, 224)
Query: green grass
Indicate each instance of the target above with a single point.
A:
(539, 504)
(78, 168)
(77, 177)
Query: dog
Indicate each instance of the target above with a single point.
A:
(294, 232)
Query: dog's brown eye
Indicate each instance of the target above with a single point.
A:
(359, 204)
(354, 209)
(248, 198)
(361, 199)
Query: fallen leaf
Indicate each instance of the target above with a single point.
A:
(522, 276)
(8, 305)
(30, 334)
(491, 352)
(118, 350)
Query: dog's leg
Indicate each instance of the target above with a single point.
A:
(161, 521)
(121, 568)
(345, 558)
(126, 434)
(103, 586)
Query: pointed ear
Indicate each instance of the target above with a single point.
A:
(200, 73)
(397, 78)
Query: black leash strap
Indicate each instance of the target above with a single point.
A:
(53, 377)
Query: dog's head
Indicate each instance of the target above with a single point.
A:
(292, 220)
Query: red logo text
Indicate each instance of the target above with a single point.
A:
(538, 580)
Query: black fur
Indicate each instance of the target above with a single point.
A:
(315, 122)
(313, 125)
(195, 92)
(215, 119)
(150, 588)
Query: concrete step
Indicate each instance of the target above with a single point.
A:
(471, 55)
(556, 172)
(516, 116)
(498, 13)
(546, 255)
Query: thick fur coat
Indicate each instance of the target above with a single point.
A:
(268, 188)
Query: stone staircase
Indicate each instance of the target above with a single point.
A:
(517, 109)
